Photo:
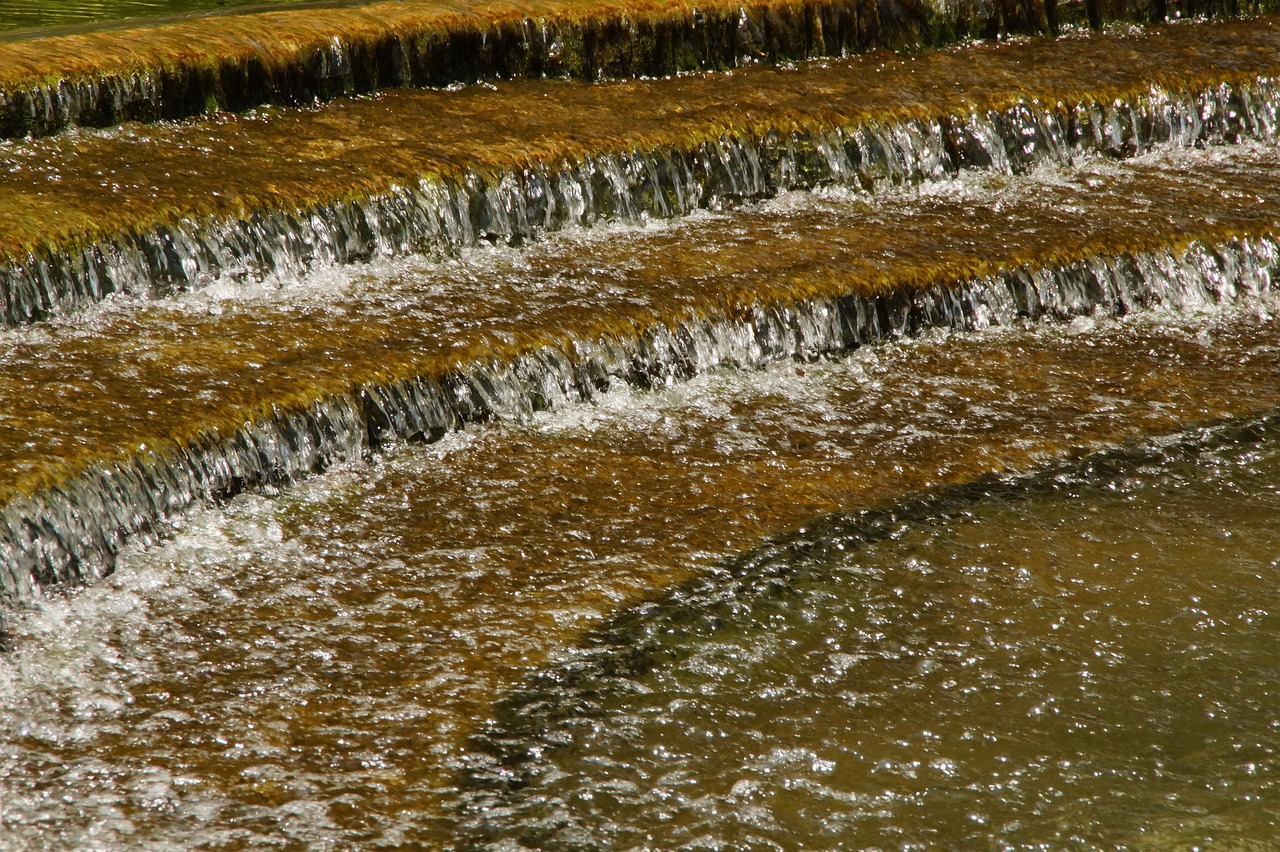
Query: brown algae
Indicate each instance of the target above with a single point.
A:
(183, 378)
(180, 68)
(166, 206)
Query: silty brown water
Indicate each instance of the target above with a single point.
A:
(1078, 659)
(160, 378)
(309, 667)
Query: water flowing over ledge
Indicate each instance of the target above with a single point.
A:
(234, 62)
(71, 531)
(440, 216)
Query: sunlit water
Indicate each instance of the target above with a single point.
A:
(310, 667)
(1083, 660)
(167, 369)
(649, 619)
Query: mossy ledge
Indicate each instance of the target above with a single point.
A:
(69, 532)
(233, 62)
(442, 215)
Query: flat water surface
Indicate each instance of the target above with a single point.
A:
(311, 668)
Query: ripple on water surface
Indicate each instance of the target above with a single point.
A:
(1082, 661)
(309, 667)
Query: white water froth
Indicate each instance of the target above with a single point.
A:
(57, 631)
(441, 219)
(423, 276)
(83, 657)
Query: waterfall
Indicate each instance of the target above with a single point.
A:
(70, 532)
(186, 68)
(441, 216)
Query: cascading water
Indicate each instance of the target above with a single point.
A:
(444, 216)
(308, 667)
(468, 351)
(439, 191)
(324, 49)
(406, 470)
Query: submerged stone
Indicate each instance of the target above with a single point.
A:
(143, 412)
(153, 210)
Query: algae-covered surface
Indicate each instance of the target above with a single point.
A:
(76, 392)
(63, 193)
(185, 67)
(307, 669)
(281, 37)
(41, 14)
(310, 668)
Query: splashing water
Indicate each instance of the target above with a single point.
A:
(309, 667)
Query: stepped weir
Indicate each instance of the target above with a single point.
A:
(431, 424)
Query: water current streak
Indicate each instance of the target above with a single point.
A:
(442, 216)
(71, 531)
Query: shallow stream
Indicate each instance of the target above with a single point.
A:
(1076, 660)
(311, 667)
(814, 457)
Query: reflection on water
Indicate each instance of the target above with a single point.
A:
(32, 14)
(1081, 661)
(219, 363)
(309, 667)
(378, 657)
